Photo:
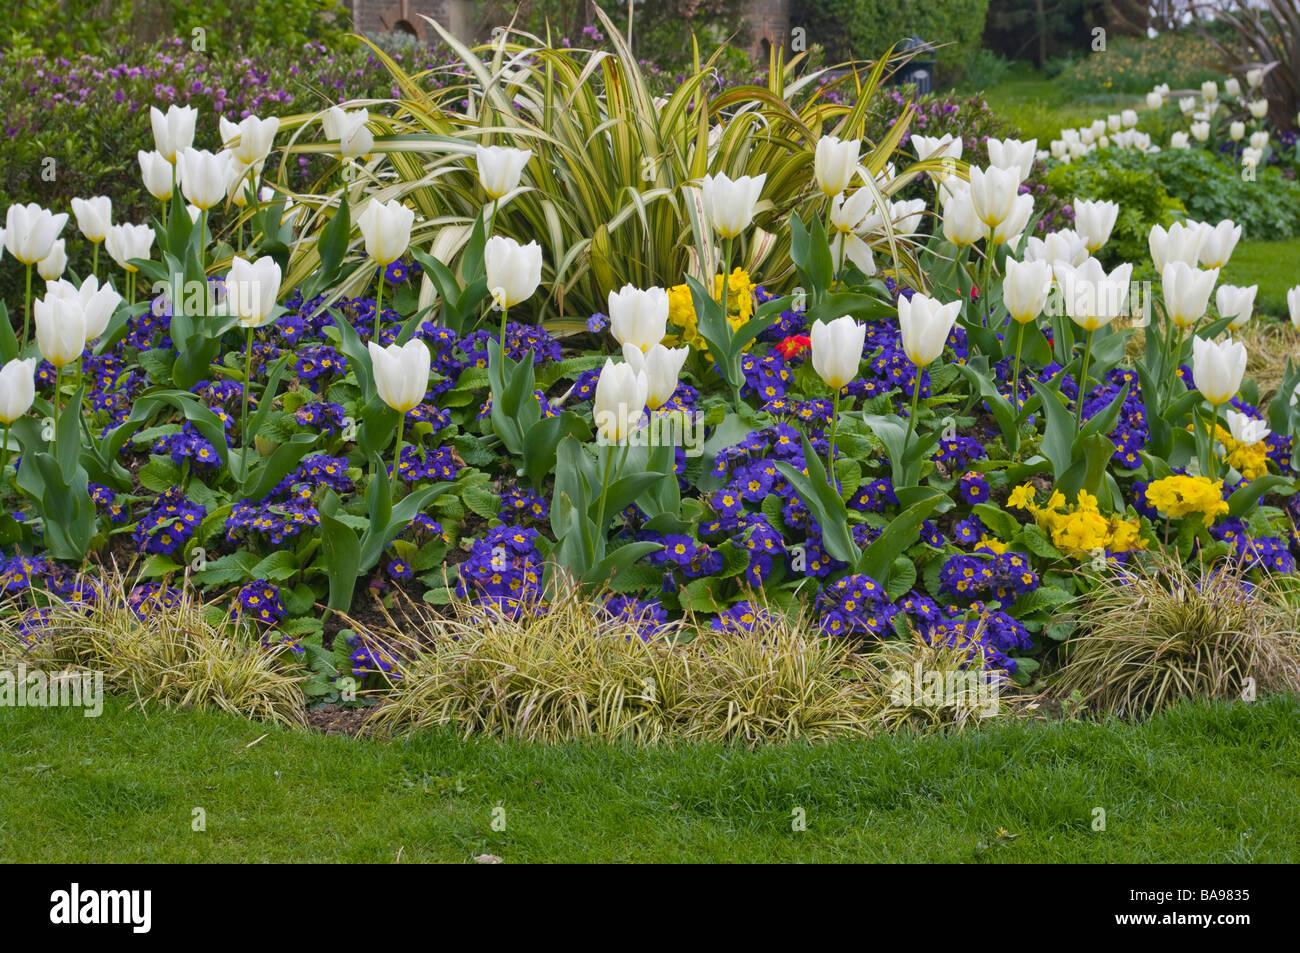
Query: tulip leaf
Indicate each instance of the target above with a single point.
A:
(877, 560)
(824, 502)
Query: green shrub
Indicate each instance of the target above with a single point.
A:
(866, 28)
(1212, 190)
(1122, 177)
(1181, 58)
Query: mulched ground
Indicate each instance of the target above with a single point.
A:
(337, 719)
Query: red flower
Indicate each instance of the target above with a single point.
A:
(793, 345)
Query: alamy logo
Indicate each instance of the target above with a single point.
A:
(920, 688)
(102, 907)
(37, 689)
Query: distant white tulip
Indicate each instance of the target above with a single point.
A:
(619, 404)
(1186, 292)
(1293, 306)
(1236, 131)
(1094, 221)
(401, 373)
(173, 132)
(156, 172)
(837, 350)
(1209, 91)
(925, 324)
(834, 163)
(1025, 289)
(729, 204)
(17, 389)
(1236, 303)
(251, 289)
(125, 242)
(513, 271)
(1246, 430)
(94, 216)
(661, 366)
(1178, 140)
(1217, 368)
(637, 317)
(1219, 242)
(30, 231)
(386, 228)
(500, 168)
(1200, 130)
(1154, 100)
(1231, 87)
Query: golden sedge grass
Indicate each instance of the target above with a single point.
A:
(184, 654)
(1160, 632)
(573, 672)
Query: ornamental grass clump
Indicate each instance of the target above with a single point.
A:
(157, 644)
(1157, 632)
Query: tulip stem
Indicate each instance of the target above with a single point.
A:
(397, 451)
(911, 418)
(94, 261)
(54, 437)
(987, 279)
(1015, 374)
(1083, 384)
(379, 305)
(4, 455)
(243, 410)
(830, 452)
(27, 310)
(1211, 431)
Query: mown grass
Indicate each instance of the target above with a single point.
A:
(1040, 107)
(1204, 783)
(1274, 266)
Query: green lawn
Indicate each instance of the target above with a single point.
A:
(1274, 266)
(1040, 107)
(1203, 783)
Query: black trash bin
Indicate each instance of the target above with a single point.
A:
(919, 70)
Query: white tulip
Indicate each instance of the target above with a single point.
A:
(156, 172)
(125, 242)
(1258, 108)
(1094, 221)
(729, 204)
(1219, 242)
(500, 168)
(513, 271)
(52, 265)
(1008, 230)
(350, 129)
(1251, 157)
(1179, 141)
(1236, 131)
(1179, 243)
(1231, 87)
(638, 318)
(1200, 130)
(1013, 154)
(401, 373)
(30, 231)
(961, 225)
(1236, 303)
(94, 216)
(1025, 289)
(946, 146)
(60, 329)
(620, 400)
(925, 324)
(1217, 368)
(850, 215)
(1259, 140)
(97, 302)
(204, 176)
(386, 228)
(1114, 122)
(834, 163)
(17, 389)
(1064, 245)
(1186, 104)
(1209, 91)
(1246, 430)
(173, 133)
(251, 290)
(1154, 100)
(1186, 292)
(1128, 118)
(661, 366)
(1091, 297)
(837, 350)
(1254, 77)
(249, 140)
(993, 192)
(1293, 306)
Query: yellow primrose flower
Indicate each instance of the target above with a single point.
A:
(1177, 496)
(681, 308)
(1022, 497)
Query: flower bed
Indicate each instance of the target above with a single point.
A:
(317, 405)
